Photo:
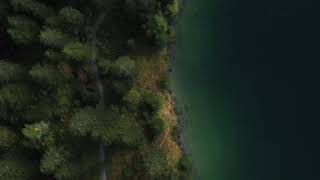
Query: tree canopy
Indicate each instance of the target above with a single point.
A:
(22, 29)
(78, 51)
(15, 167)
(83, 86)
(10, 72)
(47, 75)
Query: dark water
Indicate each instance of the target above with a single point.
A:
(247, 72)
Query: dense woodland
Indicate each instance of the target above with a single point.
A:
(52, 122)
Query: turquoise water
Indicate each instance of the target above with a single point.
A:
(246, 74)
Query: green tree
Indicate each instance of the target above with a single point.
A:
(121, 86)
(69, 171)
(10, 72)
(15, 97)
(54, 22)
(155, 162)
(54, 38)
(173, 8)
(53, 159)
(43, 110)
(8, 138)
(153, 103)
(78, 51)
(47, 76)
(36, 131)
(129, 132)
(72, 16)
(133, 99)
(140, 8)
(109, 126)
(105, 66)
(15, 167)
(156, 126)
(185, 167)
(22, 30)
(164, 83)
(157, 29)
(53, 56)
(32, 7)
(84, 121)
(65, 99)
(124, 66)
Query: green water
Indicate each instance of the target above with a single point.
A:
(246, 73)
(208, 136)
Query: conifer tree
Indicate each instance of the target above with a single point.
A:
(47, 76)
(109, 126)
(34, 132)
(53, 159)
(22, 30)
(72, 18)
(32, 7)
(78, 51)
(15, 167)
(155, 162)
(8, 139)
(54, 38)
(15, 97)
(10, 72)
(124, 66)
(157, 29)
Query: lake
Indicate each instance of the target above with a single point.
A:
(247, 74)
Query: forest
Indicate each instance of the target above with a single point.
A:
(85, 91)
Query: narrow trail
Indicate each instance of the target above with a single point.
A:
(101, 105)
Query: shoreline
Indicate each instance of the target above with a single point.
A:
(180, 108)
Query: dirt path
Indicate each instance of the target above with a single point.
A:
(99, 85)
